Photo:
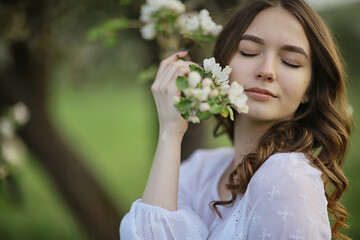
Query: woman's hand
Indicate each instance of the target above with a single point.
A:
(164, 89)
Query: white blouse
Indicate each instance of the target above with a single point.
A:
(285, 199)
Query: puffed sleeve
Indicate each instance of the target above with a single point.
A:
(145, 221)
(287, 201)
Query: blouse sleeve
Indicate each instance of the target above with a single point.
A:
(147, 222)
(289, 204)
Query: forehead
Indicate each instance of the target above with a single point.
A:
(276, 25)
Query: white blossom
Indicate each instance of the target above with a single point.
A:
(219, 76)
(238, 98)
(210, 65)
(201, 94)
(194, 119)
(227, 70)
(225, 86)
(20, 113)
(148, 31)
(208, 26)
(152, 6)
(188, 22)
(7, 128)
(174, 5)
(181, 22)
(147, 11)
(194, 79)
(204, 107)
(192, 24)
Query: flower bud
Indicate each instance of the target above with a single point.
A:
(176, 100)
(194, 79)
(7, 128)
(214, 93)
(20, 113)
(204, 107)
(207, 82)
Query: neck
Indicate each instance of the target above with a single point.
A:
(247, 133)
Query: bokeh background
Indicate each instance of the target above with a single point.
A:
(104, 114)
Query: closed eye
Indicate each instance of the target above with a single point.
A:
(291, 65)
(248, 54)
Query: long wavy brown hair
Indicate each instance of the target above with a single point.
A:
(320, 128)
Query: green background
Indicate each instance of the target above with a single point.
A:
(107, 116)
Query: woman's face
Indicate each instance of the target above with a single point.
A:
(273, 64)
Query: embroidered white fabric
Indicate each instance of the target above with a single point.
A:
(285, 199)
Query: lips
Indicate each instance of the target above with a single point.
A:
(256, 90)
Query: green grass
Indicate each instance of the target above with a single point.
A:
(40, 213)
(113, 129)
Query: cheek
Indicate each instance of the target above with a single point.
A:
(238, 74)
(296, 90)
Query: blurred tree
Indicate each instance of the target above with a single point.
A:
(24, 76)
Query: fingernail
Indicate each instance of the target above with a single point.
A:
(184, 50)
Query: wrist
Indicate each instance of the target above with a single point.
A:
(170, 134)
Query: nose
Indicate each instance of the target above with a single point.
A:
(266, 69)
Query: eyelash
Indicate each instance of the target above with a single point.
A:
(286, 63)
(291, 65)
(248, 54)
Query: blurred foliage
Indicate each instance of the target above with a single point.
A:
(108, 31)
(148, 74)
(107, 116)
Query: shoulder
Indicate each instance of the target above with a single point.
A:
(287, 166)
(286, 197)
(289, 176)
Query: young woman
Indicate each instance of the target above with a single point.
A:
(273, 183)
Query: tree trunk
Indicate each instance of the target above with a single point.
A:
(25, 79)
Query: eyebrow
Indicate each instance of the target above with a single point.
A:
(290, 48)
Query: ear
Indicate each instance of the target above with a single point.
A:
(305, 99)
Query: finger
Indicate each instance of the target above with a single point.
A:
(166, 62)
(172, 75)
(166, 76)
(178, 63)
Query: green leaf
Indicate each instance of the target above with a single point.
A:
(182, 83)
(184, 105)
(203, 115)
(193, 68)
(231, 113)
(185, 115)
(215, 108)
